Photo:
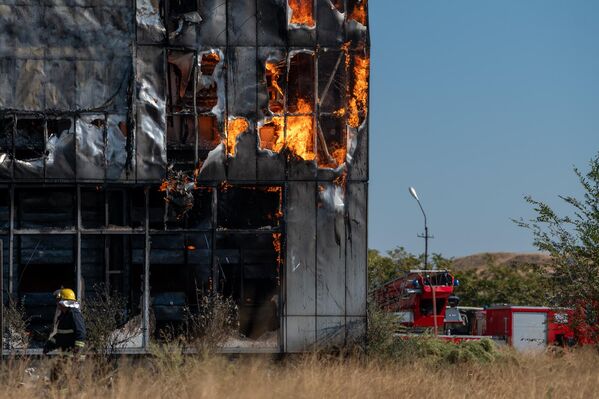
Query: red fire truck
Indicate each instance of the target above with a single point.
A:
(420, 298)
(424, 300)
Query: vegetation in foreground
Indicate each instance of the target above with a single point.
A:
(571, 375)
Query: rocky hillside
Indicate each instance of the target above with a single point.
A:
(483, 260)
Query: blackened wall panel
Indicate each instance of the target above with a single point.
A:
(330, 251)
(301, 249)
(356, 248)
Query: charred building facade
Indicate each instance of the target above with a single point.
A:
(166, 147)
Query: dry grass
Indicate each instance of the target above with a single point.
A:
(573, 375)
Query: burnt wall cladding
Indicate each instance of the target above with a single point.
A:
(120, 90)
(271, 97)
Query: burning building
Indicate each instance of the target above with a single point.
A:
(166, 147)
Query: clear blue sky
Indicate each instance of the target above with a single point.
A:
(477, 103)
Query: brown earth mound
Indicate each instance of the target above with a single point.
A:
(485, 259)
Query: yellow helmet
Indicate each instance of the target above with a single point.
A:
(65, 294)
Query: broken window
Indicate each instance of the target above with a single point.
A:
(198, 216)
(181, 142)
(332, 143)
(44, 263)
(209, 135)
(6, 130)
(301, 12)
(358, 99)
(275, 81)
(235, 127)
(357, 10)
(249, 207)
(180, 80)
(29, 147)
(180, 272)
(60, 161)
(300, 83)
(294, 131)
(207, 83)
(38, 208)
(29, 140)
(248, 272)
(109, 268)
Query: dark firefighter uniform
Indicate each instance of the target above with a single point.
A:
(70, 332)
(69, 327)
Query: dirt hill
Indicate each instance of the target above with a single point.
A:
(482, 260)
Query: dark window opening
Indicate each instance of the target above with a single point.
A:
(45, 208)
(275, 80)
(109, 269)
(6, 130)
(181, 142)
(249, 207)
(29, 140)
(92, 208)
(117, 208)
(156, 208)
(426, 306)
(138, 207)
(207, 87)
(331, 81)
(249, 273)
(300, 84)
(333, 149)
(181, 77)
(44, 264)
(180, 273)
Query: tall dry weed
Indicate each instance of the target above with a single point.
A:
(572, 375)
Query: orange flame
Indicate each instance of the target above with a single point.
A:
(300, 133)
(358, 103)
(302, 12)
(235, 127)
(275, 75)
(276, 243)
(275, 92)
(359, 12)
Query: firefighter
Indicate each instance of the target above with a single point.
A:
(69, 328)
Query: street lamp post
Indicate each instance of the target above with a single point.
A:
(426, 237)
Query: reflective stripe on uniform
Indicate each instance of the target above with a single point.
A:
(79, 344)
(70, 331)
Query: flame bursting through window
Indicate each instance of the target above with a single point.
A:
(358, 103)
(235, 127)
(302, 12)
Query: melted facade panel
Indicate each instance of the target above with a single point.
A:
(223, 141)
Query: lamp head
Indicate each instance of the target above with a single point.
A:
(414, 194)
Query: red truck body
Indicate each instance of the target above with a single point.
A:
(410, 297)
(528, 327)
